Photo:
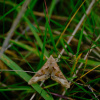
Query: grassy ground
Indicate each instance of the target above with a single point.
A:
(43, 30)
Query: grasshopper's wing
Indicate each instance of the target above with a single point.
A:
(41, 75)
(58, 76)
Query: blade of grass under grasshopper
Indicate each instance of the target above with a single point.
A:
(25, 76)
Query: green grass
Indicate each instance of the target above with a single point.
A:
(24, 76)
(29, 52)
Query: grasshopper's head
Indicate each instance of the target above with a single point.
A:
(51, 61)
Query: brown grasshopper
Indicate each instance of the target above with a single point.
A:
(50, 69)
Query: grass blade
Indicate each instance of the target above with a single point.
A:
(25, 76)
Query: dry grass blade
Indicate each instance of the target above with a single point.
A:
(69, 22)
(14, 26)
(43, 24)
(87, 12)
(77, 27)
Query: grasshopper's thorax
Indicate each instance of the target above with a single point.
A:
(51, 61)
